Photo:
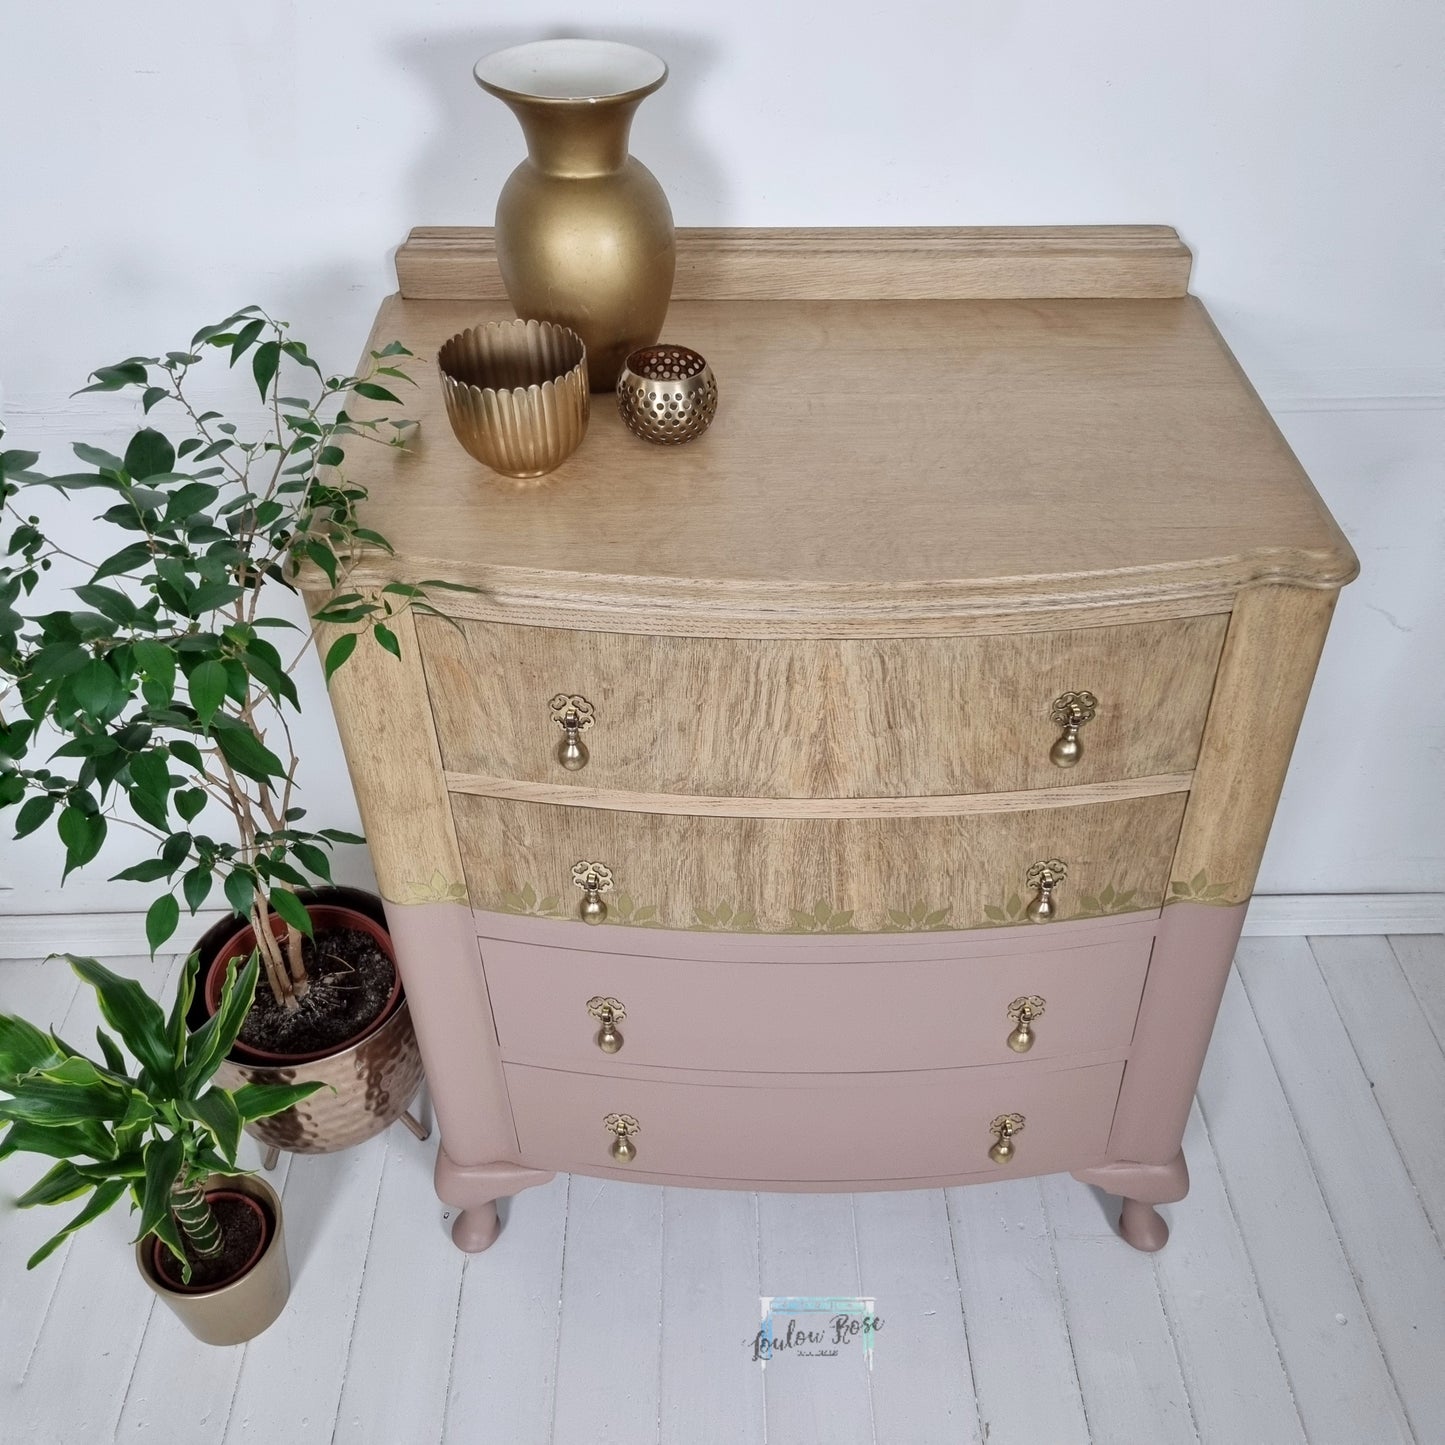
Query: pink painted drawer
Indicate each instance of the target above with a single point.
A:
(819, 1128)
(889, 1009)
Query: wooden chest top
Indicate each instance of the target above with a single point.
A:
(901, 459)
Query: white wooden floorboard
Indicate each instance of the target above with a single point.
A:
(609, 1344)
(1332, 1358)
(504, 1357)
(292, 1376)
(1023, 1362)
(808, 1247)
(1399, 1053)
(1231, 1364)
(1371, 1198)
(711, 1389)
(406, 1314)
(1128, 1368)
(922, 1378)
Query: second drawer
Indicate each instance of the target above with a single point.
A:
(892, 1010)
(793, 875)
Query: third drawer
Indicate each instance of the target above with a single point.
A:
(896, 1003)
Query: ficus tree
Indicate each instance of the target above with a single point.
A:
(168, 676)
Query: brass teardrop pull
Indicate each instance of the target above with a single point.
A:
(608, 1012)
(574, 715)
(1023, 1012)
(1071, 710)
(1001, 1151)
(622, 1127)
(1044, 878)
(594, 879)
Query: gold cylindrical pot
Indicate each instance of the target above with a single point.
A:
(231, 1313)
(584, 232)
(371, 1084)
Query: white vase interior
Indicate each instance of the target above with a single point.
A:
(571, 70)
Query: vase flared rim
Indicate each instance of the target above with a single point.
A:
(571, 71)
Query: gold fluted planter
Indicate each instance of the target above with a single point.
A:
(516, 394)
(584, 233)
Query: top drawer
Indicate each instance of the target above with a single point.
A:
(784, 718)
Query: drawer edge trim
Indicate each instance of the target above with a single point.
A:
(568, 795)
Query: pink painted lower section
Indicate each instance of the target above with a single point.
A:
(815, 1062)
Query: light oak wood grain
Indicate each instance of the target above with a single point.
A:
(876, 467)
(789, 875)
(1270, 653)
(384, 717)
(820, 719)
(933, 805)
(858, 263)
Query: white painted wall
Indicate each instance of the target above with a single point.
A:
(163, 162)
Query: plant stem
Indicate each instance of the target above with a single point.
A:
(196, 1217)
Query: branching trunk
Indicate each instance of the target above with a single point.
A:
(272, 958)
(296, 963)
(196, 1218)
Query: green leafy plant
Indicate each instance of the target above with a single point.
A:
(156, 1130)
(164, 678)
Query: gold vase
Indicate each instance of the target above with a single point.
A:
(584, 232)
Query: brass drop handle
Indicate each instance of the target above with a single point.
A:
(1044, 877)
(1071, 710)
(574, 715)
(1023, 1012)
(594, 879)
(1003, 1130)
(622, 1127)
(608, 1012)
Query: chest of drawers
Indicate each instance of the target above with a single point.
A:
(911, 740)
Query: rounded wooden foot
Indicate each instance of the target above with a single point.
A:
(271, 1157)
(476, 1228)
(1142, 1226)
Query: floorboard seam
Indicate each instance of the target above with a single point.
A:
(135, 1361)
(982, 1435)
(858, 1272)
(1329, 1211)
(1374, 1096)
(557, 1332)
(452, 1354)
(1063, 1305)
(360, 1286)
(1253, 1272)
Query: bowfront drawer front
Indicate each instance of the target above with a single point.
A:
(604, 1012)
(822, 1128)
(788, 875)
(877, 717)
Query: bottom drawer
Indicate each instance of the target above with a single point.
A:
(819, 1127)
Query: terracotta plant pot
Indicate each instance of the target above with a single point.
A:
(238, 1310)
(372, 1078)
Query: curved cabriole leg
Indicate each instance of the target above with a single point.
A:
(1142, 1187)
(475, 1189)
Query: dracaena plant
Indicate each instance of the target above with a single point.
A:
(154, 1129)
(166, 678)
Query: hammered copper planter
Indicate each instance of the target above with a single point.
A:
(374, 1079)
(230, 1313)
(372, 1083)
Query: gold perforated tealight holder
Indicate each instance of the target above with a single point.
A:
(667, 394)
